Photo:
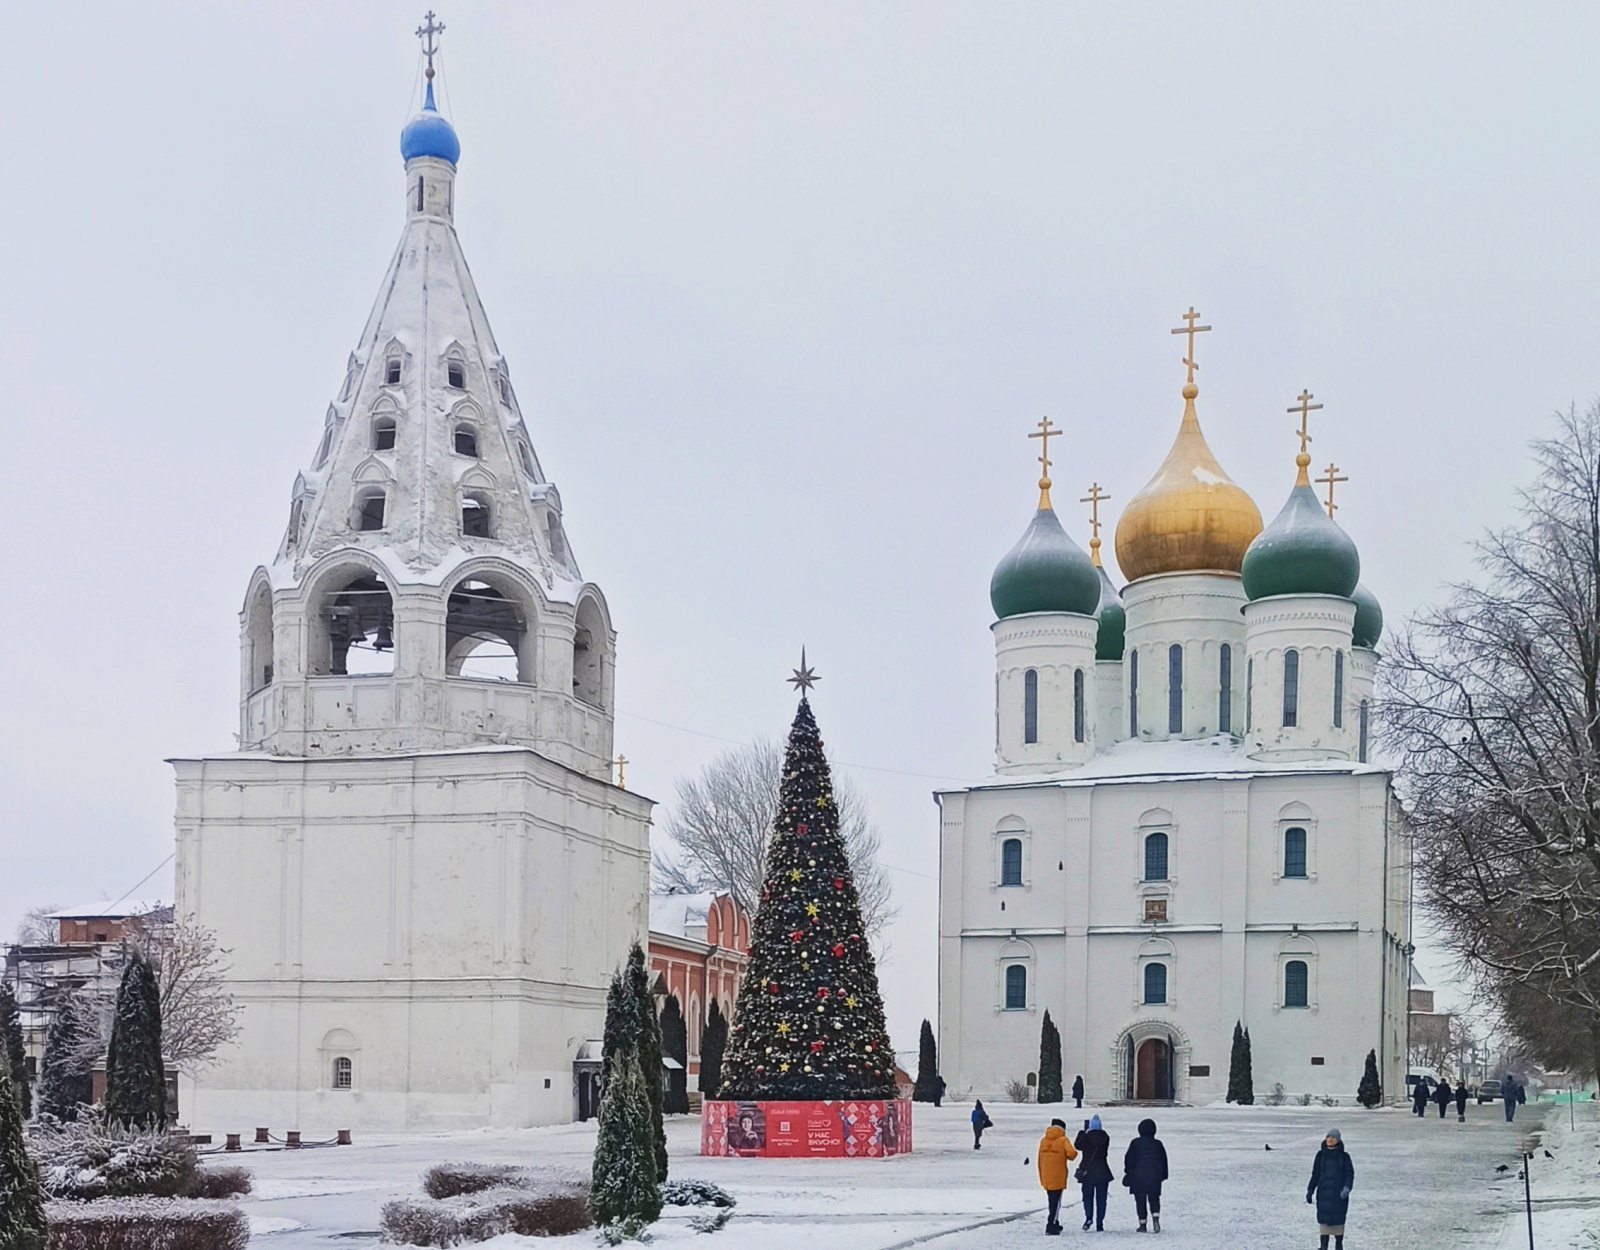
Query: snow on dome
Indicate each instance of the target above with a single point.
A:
(429, 134)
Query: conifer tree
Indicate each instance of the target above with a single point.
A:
(136, 1080)
(22, 1223)
(16, 1055)
(649, 1048)
(65, 1082)
(712, 1044)
(1241, 1087)
(810, 1021)
(1049, 1060)
(626, 1186)
(675, 1045)
(927, 1087)
(1370, 1092)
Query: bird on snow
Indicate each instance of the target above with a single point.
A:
(1548, 1155)
(1504, 1167)
(1269, 1145)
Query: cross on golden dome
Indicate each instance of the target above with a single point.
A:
(1044, 434)
(1305, 408)
(1328, 481)
(1094, 499)
(1189, 328)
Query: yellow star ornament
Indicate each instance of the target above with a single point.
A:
(851, 1001)
(794, 874)
(783, 1028)
(813, 910)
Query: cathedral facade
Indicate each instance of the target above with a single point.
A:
(1184, 830)
(416, 856)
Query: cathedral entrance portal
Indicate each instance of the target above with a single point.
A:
(1153, 1071)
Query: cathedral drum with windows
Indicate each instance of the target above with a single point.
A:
(416, 857)
(1183, 830)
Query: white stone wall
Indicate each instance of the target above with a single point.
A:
(1317, 628)
(1200, 613)
(1059, 648)
(451, 920)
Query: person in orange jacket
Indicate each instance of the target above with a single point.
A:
(1054, 1153)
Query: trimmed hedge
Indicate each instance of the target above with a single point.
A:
(146, 1224)
(537, 1212)
(221, 1183)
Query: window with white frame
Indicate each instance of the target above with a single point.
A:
(344, 1073)
(1156, 847)
(1155, 983)
(1296, 983)
(1011, 861)
(1030, 706)
(1016, 987)
(1296, 849)
(1291, 688)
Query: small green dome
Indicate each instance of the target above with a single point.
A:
(1369, 617)
(1108, 642)
(1045, 572)
(1302, 552)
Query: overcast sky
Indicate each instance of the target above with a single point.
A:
(783, 289)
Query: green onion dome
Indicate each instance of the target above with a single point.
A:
(1302, 552)
(1045, 572)
(1369, 618)
(1108, 642)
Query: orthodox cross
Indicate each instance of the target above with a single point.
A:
(1189, 328)
(1305, 408)
(804, 677)
(429, 33)
(1044, 434)
(1328, 481)
(1094, 499)
(622, 776)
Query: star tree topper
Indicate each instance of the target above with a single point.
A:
(804, 677)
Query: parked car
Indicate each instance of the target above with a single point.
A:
(1489, 1091)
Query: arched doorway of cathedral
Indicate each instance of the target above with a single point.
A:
(1152, 1062)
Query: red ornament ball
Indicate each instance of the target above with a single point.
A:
(838, 949)
(772, 987)
(822, 991)
(838, 883)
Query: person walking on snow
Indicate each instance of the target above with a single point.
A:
(1094, 1173)
(1077, 1091)
(1443, 1096)
(1054, 1152)
(980, 1121)
(1333, 1176)
(1508, 1093)
(1144, 1167)
(1461, 1103)
(1419, 1097)
(938, 1090)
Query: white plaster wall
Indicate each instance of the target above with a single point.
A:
(457, 914)
(1057, 646)
(1200, 613)
(1319, 628)
(1110, 718)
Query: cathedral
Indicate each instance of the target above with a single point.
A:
(1183, 830)
(416, 856)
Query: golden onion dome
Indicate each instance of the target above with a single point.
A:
(1191, 517)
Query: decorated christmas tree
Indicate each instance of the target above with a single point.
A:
(809, 1024)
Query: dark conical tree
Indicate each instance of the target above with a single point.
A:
(810, 1022)
(1370, 1092)
(675, 1045)
(649, 1036)
(625, 1186)
(1049, 1061)
(65, 1082)
(136, 1080)
(16, 1055)
(1241, 1088)
(712, 1044)
(927, 1087)
(22, 1224)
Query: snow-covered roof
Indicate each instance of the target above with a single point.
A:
(678, 914)
(108, 909)
(1221, 757)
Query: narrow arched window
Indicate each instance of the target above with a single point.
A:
(1249, 694)
(1361, 751)
(526, 456)
(475, 519)
(1078, 715)
(344, 1073)
(370, 506)
(1133, 693)
(466, 440)
(1225, 690)
(1294, 852)
(420, 184)
(1175, 689)
(1155, 983)
(1296, 984)
(1155, 857)
(1030, 706)
(391, 374)
(456, 374)
(1011, 862)
(1338, 689)
(383, 433)
(1016, 988)
(1291, 688)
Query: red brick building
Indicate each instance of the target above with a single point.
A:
(699, 946)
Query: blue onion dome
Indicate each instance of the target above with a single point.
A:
(1108, 641)
(428, 134)
(1302, 552)
(1369, 618)
(1045, 572)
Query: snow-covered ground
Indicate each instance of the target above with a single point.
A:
(1419, 1183)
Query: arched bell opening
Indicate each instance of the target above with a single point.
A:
(258, 637)
(352, 626)
(488, 632)
(589, 642)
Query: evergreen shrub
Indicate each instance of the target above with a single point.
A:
(88, 1158)
(1370, 1092)
(695, 1193)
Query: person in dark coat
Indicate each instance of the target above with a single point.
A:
(1094, 1173)
(1443, 1095)
(980, 1121)
(1077, 1091)
(1419, 1097)
(1144, 1167)
(1508, 1095)
(1333, 1176)
(1461, 1103)
(938, 1090)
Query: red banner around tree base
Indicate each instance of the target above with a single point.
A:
(859, 1128)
